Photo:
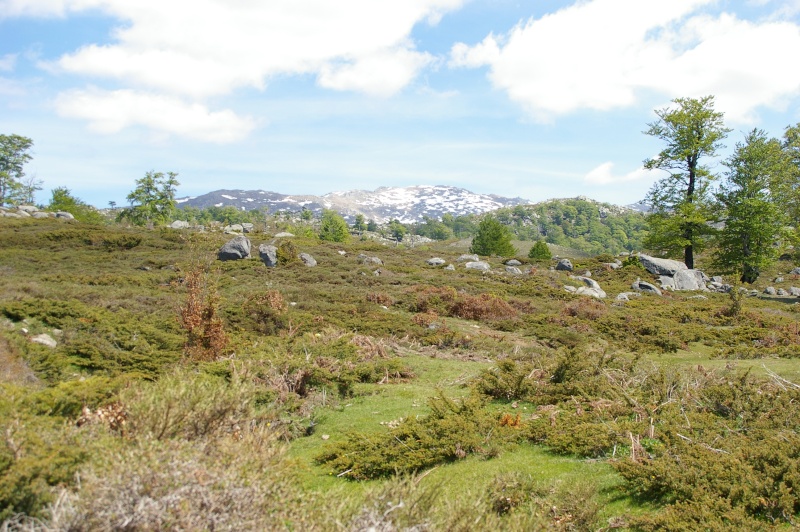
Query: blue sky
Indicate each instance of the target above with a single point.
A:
(537, 99)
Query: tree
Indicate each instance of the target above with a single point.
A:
(13, 156)
(62, 200)
(540, 251)
(30, 186)
(692, 131)
(753, 220)
(333, 228)
(493, 238)
(153, 199)
(372, 226)
(360, 225)
(306, 215)
(397, 230)
(787, 187)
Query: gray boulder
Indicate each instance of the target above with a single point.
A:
(513, 262)
(795, 271)
(468, 258)
(233, 228)
(778, 280)
(366, 259)
(479, 265)
(269, 255)
(782, 292)
(794, 291)
(564, 265)
(626, 296)
(44, 339)
(513, 270)
(450, 268)
(235, 249)
(23, 214)
(284, 234)
(42, 214)
(658, 266)
(179, 224)
(65, 215)
(590, 288)
(690, 280)
(307, 259)
(642, 286)
(247, 227)
(435, 261)
(30, 209)
(667, 282)
(770, 291)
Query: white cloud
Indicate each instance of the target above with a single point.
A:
(602, 54)
(7, 62)
(603, 175)
(111, 111)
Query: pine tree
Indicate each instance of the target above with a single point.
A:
(493, 238)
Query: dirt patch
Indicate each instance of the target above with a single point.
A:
(12, 368)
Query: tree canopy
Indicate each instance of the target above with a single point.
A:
(692, 131)
(493, 238)
(333, 227)
(13, 157)
(153, 199)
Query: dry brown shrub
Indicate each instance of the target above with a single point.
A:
(425, 319)
(370, 347)
(434, 298)
(483, 307)
(380, 298)
(199, 317)
(585, 309)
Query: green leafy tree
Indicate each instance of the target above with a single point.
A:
(540, 251)
(397, 230)
(359, 224)
(753, 220)
(493, 238)
(333, 228)
(62, 200)
(786, 187)
(153, 199)
(306, 215)
(692, 131)
(372, 226)
(13, 156)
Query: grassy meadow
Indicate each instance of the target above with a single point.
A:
(186, 393)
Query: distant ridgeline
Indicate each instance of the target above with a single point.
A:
(579, 223)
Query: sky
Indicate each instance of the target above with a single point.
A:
(536, 99)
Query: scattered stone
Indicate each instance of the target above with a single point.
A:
(179, 224)
(44, 339)
(513, 270)
(307, 259)
(717, 279)
(30, 209)
(64, 215)
(770, 291)
(41, 214)
(643, 286)
(269, 255)
(690, 280)
(479, 265)
(795, 271)
(23, 214)
(247, 227)
(626, 296)
(513, 262)
(587, 273)
(342, 252)
(450, 268)
(564, 265)
(590, 288)
(781, 292)
(284, 235)
(468, 258)
(365, 259)
(233, 228)
(616, 265)
(699, 297)
(436, 261)
(794, 291)
(235, 249)
(778, 280)
(658, 266)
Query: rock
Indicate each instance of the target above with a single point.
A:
(284, 235)
(269, 255)
(23, 214)
(44, 339)
(436, 261)
(795, 271)
(342, 252)
(794, 291)
(570, 288)
(307, 259)
(590, 288)
(468, 258)
(699, 297)
(778, 280)
(179, 224)
(642, 286)
(564, 265)
(41, 214)
(587, 273)
(233, 228)
(64, 215)
(770, 291)
(781, 292)
(658, 266)
(450, 268)
(616, 265)
(690, 280)
(247, 227)
(667, 282)
(717, 279)
(479, 265)
(513, 262)
(235, 249)
(365, 259)
(626, 296)
(513, 270)
(30, 209)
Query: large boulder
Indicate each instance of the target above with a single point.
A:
(366, 259)
(513, 270)
(435, 261)
(269, 255)
(468, 258)
(179, 224)
(233, 228)
(564, 265)
(478, 265)
(65, 215)
(658, 266)
(690, 280)
(248, 227)
(235, 249)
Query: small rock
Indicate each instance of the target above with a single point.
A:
(778, 280)
(513, 262)
(450, 268)
(643, 286)
(564, 265)
(436, 261)
(284, 235)
(64, 215)
(269, 255)
(513, 270)
(247, 227)
(794, 291)
(478, 265)
(308, 260)
(44, 339)
(770, 291)
(782, 292)
(468, 258)
(179, 224)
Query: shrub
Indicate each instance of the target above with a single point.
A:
(206, 337)
(540, 251)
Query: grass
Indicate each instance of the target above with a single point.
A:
(291, 374)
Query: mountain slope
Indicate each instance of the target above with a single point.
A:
(406, 204)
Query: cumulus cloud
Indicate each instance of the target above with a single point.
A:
(602, 54)
(189, 54)
(111, 111)
(604, 175)
(7, 62)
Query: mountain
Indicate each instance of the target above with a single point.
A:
(406, 204)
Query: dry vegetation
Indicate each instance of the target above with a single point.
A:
(190, 394)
